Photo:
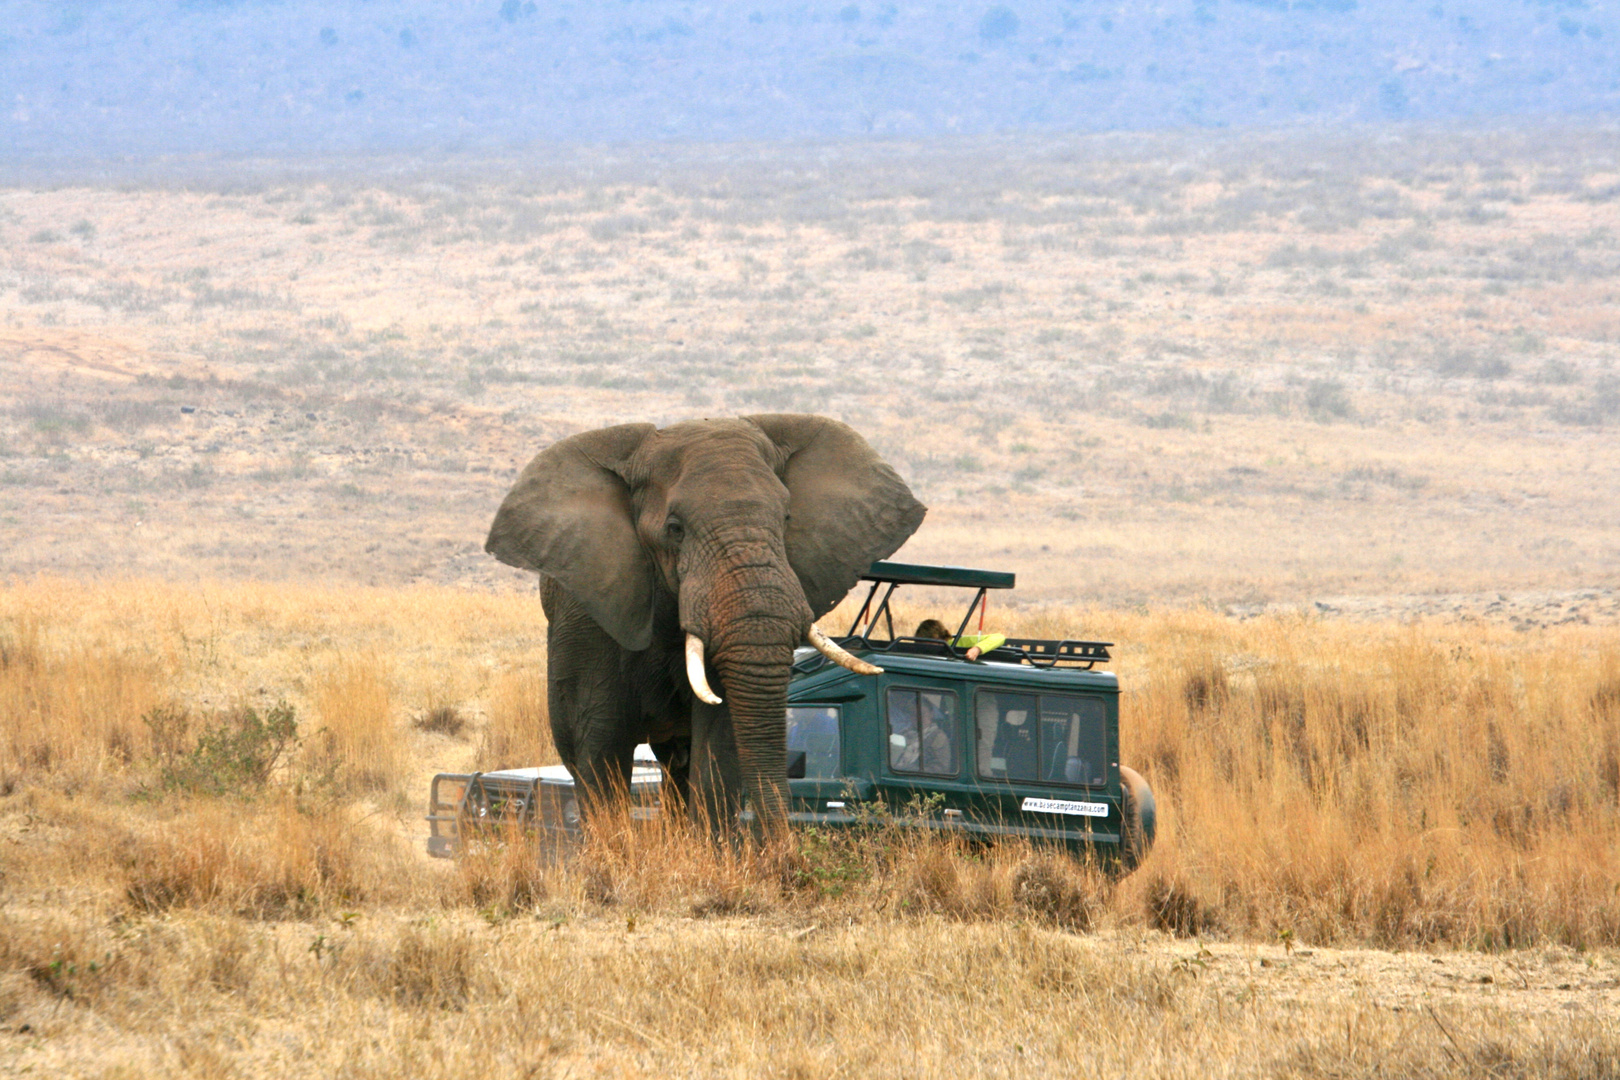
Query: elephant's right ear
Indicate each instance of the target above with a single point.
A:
(569, 516)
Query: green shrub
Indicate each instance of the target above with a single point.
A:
(235, 755)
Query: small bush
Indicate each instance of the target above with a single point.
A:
(1167, 420)
(1556, 372)
(443, 719)
(431, 968)
(1326, 398)
(617, 225)
(831, 862)
(236, 755)
(1054, 889)
(1455, 362)
(1594, 409)
(969, 463)
(57, 420)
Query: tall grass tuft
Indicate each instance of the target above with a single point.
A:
(519, 730)
(1380, 786)
(72, 708)
(358, 738)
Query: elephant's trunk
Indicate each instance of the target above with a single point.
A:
(756, 687)
(750, 612)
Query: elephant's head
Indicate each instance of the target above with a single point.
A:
(757, 526)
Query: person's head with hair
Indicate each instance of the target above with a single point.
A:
(932, 628)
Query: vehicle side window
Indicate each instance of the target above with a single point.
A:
(1009, 740)
(814, 729)
(1074, 740)
(922, 731)
(1050, 738)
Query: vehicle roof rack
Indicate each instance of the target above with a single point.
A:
(888, 576)
(894, 573)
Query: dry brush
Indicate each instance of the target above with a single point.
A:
(1440, 786)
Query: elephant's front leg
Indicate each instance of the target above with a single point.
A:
(716, 777)
(604, 739)
(674, 753)
(592, 707)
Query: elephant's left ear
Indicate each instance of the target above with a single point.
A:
(846, 507)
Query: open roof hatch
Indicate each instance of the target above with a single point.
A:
(888, 576)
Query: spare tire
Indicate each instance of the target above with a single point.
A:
(1140, 819)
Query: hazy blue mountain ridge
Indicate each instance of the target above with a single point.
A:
(160, 76)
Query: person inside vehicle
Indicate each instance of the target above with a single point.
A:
(975, 644)
(925, 746)
(938, 736)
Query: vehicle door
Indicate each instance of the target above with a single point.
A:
(925, 762)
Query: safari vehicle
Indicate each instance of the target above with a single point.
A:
(540, 799)
(1022, 741)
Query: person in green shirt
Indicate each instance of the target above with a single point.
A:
(975, 644)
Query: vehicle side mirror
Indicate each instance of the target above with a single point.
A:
(796, 765)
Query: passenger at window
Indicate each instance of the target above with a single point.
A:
(937, 737)
(933, 751)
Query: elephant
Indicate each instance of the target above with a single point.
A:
(673, 559)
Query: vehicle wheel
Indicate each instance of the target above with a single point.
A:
(1140, 819)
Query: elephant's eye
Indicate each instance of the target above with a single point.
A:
(674, 531)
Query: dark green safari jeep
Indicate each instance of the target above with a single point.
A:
(1018, 738)
(1022, 741)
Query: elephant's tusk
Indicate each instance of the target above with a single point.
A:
(837, 655)
(694, 671)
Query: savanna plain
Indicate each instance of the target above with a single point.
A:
(1320, 430)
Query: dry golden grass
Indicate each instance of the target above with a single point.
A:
(72, 711)
(1392, 784)
(519, 729)
(267, 860)
(1324, 788)
(358, 739)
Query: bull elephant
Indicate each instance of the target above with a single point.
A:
(680, 568)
